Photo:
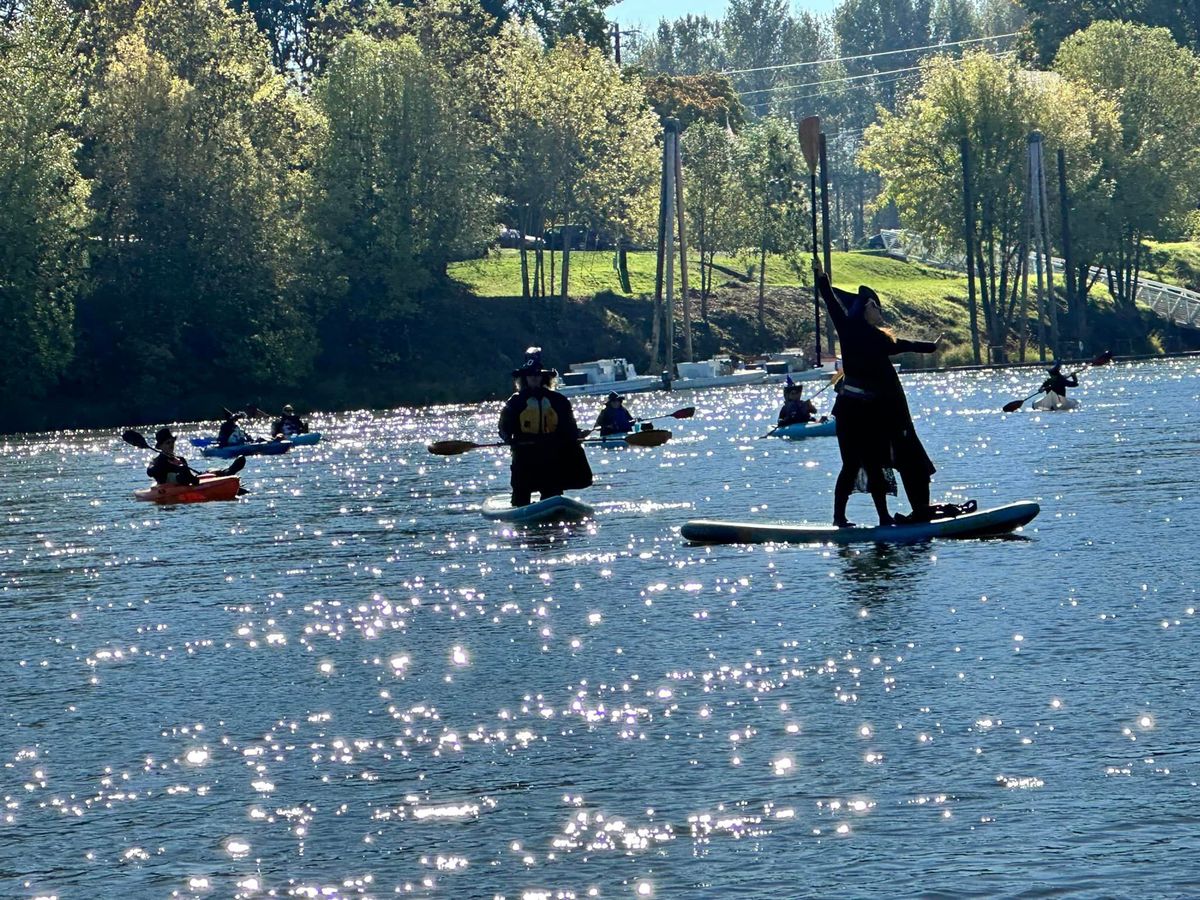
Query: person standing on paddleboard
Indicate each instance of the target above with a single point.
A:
(539, 424)
(796, 410)
(1056, 385)
(875, 429)
(614, 418)
(167, 468)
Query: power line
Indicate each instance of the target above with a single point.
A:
(843, 80)
(821, 62)
(834, 93)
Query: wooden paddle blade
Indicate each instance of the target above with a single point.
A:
(652, 437)
(1102, 359)
(686, 413)
(451, 448)
(810, 140)
(136, 438)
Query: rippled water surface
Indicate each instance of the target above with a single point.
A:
(349, 683)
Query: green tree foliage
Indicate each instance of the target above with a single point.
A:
(575, 142)
(196, 149)
(994, 106)
(695, 98)
(1053, 21)
(1153, 170)
(714, 204)
(42, 196)
(558, 20)
(690, 45)
(399, 192)
(756, 37)
(774, 181)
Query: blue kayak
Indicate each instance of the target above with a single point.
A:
(298, 440)
(251, 448)
(802, 430)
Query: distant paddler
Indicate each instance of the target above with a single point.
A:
(614, 418)
(538, 423)
(796, 410)
(1055, 387)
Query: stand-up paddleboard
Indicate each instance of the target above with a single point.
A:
(802, 430)
(552, 509)
(982, 523)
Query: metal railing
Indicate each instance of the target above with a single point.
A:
(1176, 304)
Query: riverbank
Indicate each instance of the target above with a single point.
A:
(472, 330)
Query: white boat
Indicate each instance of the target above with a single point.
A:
(603, 375)
(716, 372)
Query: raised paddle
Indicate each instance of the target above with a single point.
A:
(1100, 359)
(686, 413)
(137, 439)
(810, 144)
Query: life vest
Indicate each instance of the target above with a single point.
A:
(538, 417)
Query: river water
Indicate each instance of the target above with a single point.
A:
(351, 684)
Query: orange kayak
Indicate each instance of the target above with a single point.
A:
(211, 487)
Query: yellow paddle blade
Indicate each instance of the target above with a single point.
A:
(651, 437)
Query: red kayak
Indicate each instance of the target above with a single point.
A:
(211, 487)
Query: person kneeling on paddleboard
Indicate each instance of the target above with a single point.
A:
(167, 468)
(614, 418)
(875, 429)
(1056, 385)
(539, 424)
(796, 410)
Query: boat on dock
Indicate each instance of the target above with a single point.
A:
(600, 376)
(720, 371)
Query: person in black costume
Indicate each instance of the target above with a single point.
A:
(167, 468)
(614, 418)
(1058, 383)
(875, 429)
(539, 424)
(796, 410)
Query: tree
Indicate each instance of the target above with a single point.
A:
(42, 252)
(689, 45)
(400, 192)
(197, 151)
(574, 141)
(773, 181)
(1153, 170)
(754, 32)
(695, 98)
(994, 106)
(1051, 22)
(713, 202)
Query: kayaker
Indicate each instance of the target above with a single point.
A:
(166, 467)
(231, 432)
(539, 424)
(289, 424)
(614, 418)
(875, 429)
(796, 410)
(1056, 385)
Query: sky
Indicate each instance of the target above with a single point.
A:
(648, 12)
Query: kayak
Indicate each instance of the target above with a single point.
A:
(1046, 403)
(251, 448)
(298, 440)
(211, 487)
(802, 430)
(982, 523)
(552, 509)
(647, 437)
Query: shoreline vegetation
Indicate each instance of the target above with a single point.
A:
(213, 203)
(476, 314)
